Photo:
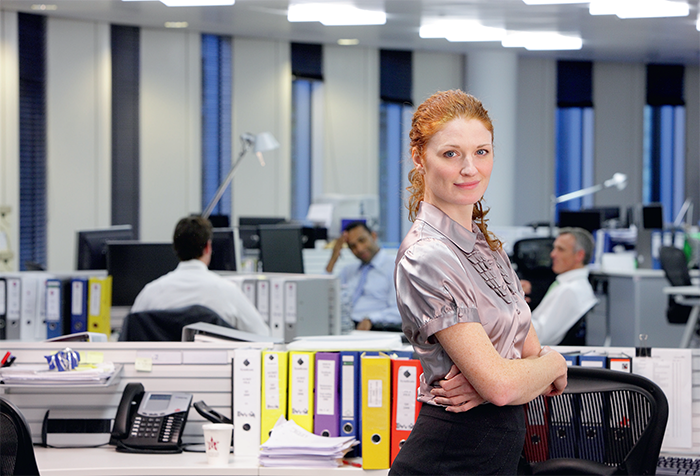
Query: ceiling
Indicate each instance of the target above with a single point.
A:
(605, 38)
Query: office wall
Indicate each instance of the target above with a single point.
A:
(9, 127)
(78, 133)
(434, 72)
(262, 101)
(170, 135)
(535, 147)
(351, 149)
(619, 95)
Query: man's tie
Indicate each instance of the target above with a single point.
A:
(361, 283)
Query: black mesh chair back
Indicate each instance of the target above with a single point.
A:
(16, 450)
(606, 422)
(532, 261)
(675, 267)
(166, 325)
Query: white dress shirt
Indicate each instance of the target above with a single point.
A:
(192, 283)
(377, 300)
(563, 306)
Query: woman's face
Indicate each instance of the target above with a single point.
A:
(457, 166)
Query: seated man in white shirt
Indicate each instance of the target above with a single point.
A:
(571, 294)
(369, 284)
(192, 283)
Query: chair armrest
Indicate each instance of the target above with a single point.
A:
(561, 466)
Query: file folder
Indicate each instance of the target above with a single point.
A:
(376, 411)
(350, 397)
(405, 382)
(591, 416)
(13, 306)
(301, 389)
(620, 362)
(54, 308)
(31, 307)
(262, 299)
(327, 396)
(246, 401)
(274, 390)
(572, 358)
(3, 307)
(100, 304)
(562, 439)
(79, 304)
(277, 308)
(536, 446)
(593, 360)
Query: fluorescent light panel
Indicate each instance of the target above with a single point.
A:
(542, 41)
(627, 9)
(198, 3)
(553, 2)
(334, 14)
(460, 30)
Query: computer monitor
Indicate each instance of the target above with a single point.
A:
(223, 255)
(91, 249)
(590, 220)
(653, 216)
(133, 264)
(255, 221)
(281, 248)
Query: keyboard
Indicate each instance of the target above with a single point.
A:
(668, 465)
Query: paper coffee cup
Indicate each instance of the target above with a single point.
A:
(217, 441)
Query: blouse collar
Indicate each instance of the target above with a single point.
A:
(443, 224)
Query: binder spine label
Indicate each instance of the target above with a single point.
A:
(2, 298)
(13, 298)
(374, 393)
(347, 406)
(325, 390)
(53, 301)
(406, 405)
(77, 298)
(300, 385)
(272, 391)
(95, 299)
(290, 302)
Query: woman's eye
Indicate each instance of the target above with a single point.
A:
(450, 154)
(482, 152)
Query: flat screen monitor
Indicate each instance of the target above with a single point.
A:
(91, 250)
(255, 221)
(590, 220)
(223, 255)
(653, 216)
(133, 264)
(281, 248)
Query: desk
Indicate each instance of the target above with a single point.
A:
(679, 293)
(106, 461)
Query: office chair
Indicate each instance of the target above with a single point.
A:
(532, 261)
(675, 267)
(166, 324)
(606, 422)
(16, 450)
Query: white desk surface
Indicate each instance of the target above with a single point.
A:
(685, 290)
(106, 461)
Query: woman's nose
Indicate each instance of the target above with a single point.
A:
(468, 167)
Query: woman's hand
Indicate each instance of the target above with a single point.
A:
(456, 392)
(557, 387)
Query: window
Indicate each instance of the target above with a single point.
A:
(574, 133)
(395, 113)
(664, 139)
(307, 127)
(216, 120)
(32, 140)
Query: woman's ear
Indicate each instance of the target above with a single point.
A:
(417, 162)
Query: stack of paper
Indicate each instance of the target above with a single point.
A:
(39, 375)
(291, 445)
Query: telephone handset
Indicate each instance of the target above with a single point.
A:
(150, 422)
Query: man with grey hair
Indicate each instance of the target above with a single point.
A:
(570, 296)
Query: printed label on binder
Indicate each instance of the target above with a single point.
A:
(348, 387)
(374, 393)
(272, 391)
(325, 391)
(406, 408)
(300, 385)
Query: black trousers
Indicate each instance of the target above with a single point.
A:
(484, 440)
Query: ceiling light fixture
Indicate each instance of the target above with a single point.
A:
(197, 3)
(553, 2)
(176, 24)
(334, 14)
(627, 9)
(542, 41)
(43, 7)
(455, 30)
(348, 41)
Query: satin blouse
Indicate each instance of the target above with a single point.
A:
(446, 274)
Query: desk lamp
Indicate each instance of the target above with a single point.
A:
(260, 143)
(618, 180)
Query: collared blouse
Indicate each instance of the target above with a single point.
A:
(446, 274)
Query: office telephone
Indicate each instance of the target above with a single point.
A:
(150, 422)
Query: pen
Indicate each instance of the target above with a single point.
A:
(356, 465)
(4, 359)
(9, 361)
